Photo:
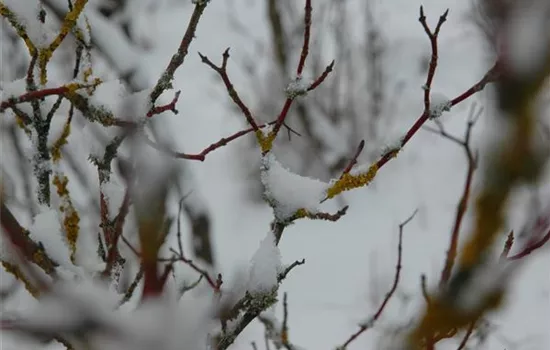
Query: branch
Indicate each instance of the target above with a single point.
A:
(370, 323)
(19, 237)
(165, 80)
(350, 182)
(305, 45)
(463, 203)
(222, 72)
(433, 61)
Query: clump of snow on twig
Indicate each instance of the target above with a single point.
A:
(265, 266)
(393, 146)
(287, 192)
(297, 87)
(266, 129)
(358, 170)
(439, 103)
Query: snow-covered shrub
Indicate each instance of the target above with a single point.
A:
(89, 187)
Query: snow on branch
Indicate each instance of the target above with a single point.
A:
(288, 192)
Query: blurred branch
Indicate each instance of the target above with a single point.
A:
(463, 203)
(372, 320)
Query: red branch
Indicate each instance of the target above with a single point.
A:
(178, 58)
(20, 239)
(353, 160)
(491, 76)
(288, 102)
(307, 31)
(433, 61)
(202, 155)
(168, 107)
(380, 310)
(222, 72)
(322, 77)
(463, 203)
(531, 247)
(33, 95)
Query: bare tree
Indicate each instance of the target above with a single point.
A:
(66, 136)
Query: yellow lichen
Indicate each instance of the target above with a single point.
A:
(19, 28)
(71, 219)
(72, 228)
(300, 213)
(19, 120)
(265, 142)
(60, 183)
(17, 273)
(61, 141)
(69, 22)
(348, 181)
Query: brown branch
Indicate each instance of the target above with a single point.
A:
(322, 77)
(287, 270)
(531, 247)
(288, 102)
(463, 203)
(507, 246)
(469, 332)
(433, 61)
(284, 328)
(114, 231)
(165, 80)
(322, 216)
(424, 288)
(19, 237)
(214, 283)
(370, 323)
(202, 155)
(353, 160)
(222, 72)
(305, 45)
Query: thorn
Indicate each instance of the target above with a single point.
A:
(422, 16)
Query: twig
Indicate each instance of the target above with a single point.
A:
(463, 203)
(222, 72)
(368, 325)
(18, 236)
(424, 288)
(433, 61)
(286, 271)
(202, 155)
(168, 107)
(507, 245)
(531, 247)
(469, 332)
(305, 45)
(284, 328)
(350, 182)
(132, 288)
(353, 160)
(165, 81)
